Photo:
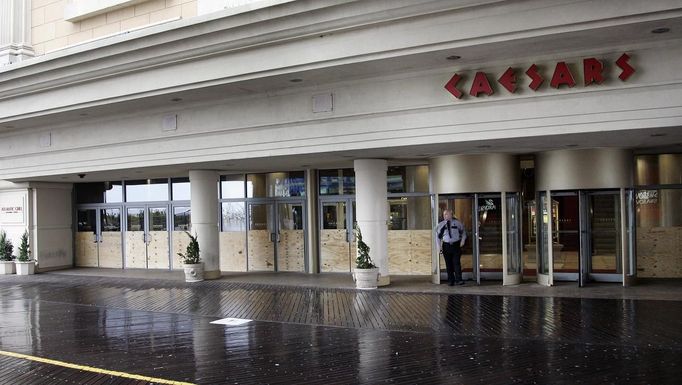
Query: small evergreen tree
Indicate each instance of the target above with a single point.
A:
(191, 255)
(363, 261)
(6, 247)
(23, 248)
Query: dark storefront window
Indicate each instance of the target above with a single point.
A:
(337, 182)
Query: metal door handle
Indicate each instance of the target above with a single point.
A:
(272, 237)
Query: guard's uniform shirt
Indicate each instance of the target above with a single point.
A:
(451, 232)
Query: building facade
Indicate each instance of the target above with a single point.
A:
(273, 128)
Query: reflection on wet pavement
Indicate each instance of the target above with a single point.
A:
(162, 329)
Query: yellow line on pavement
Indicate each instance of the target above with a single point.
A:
(91, 369)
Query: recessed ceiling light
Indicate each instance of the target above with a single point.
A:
(453, 57)
(572, 145)
(83, 114)
(297, 80)
(176, 99)
(660, 30)
(657, 135)
(305, 165)
(483, 146)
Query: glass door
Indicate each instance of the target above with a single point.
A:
(261, 237)
(337, 238)
(602, 241)
(276, 236)
(464, 209)
(87, 236)
(98, 238)
(290, 248)
(158, 249)
(147, 239)
(544, 239)
(109, 239)
(489, 234)
(511, 242)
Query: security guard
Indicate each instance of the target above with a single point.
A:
(450, 239)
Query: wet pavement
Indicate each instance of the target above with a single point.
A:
(305, 335)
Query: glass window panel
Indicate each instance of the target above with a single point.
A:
(337, 181)
(659, 230)
(234, 216)
(334, 216)
(181, 190)
(90, 192)
(409, 213)
(113, 192)
(275, 184)
(329, 182)
(182, 218)
(87, 220)
(232, 186)
(135, 219)
(149, 190)
(157, 219)
(111, 220)
(408, 179)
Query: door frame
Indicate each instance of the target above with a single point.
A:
(512, 278)
(349, 201)
(98, 207)
(274, 219)
(585, 259)
(145, 206)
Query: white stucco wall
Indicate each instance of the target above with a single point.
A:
(53, 225)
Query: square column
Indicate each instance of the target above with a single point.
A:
(205, 214)
(372, 211)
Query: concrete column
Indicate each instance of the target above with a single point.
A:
(372, 211)
(15, 31)
(204, 204)
(313, 231)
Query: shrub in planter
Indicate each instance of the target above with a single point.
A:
(6, 258)
(366, 273)
(192, 265)
(25, 266)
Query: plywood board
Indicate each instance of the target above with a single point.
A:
(86, 250)
(291, 251)
(409, 252)
(136, 250)
(399, 258)
(420, 250)
(261, 251)
(157, 250)
(110, 253)
(179, 245)
(659, 252)
(334, 252)
(233, 251)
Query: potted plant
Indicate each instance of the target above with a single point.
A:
(6, 258)
(194, 268)
(366, 273)
(25, 265)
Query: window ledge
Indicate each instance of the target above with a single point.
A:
(77, 10)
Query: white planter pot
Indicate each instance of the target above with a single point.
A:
(194, 273)
(7, 267)
(25, 268)
(366, 278)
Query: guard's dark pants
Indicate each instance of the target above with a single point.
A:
(452, 253)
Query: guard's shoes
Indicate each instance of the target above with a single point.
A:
(460, 283)
(451, 284)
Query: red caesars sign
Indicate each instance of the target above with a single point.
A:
(592, 70)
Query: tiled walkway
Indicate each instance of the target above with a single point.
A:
(160, 328)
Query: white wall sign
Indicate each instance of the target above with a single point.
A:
(12, 209)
